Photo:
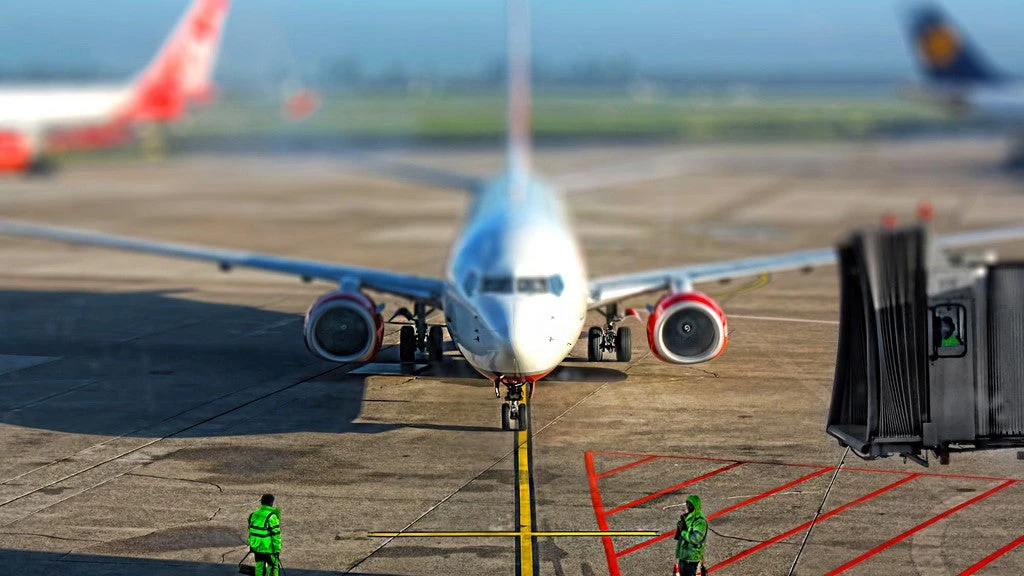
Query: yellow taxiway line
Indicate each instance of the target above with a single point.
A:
(527, 561)
(513, 533)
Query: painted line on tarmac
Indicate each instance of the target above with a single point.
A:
(527, 560)
(672, 489)
(822, 518)
(513, 533)
(777, 490)
(920, 527)
(993, 557)
(783, 319)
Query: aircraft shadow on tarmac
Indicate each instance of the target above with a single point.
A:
(31, 562)
(156, 363)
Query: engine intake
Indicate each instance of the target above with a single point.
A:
(344, 327)
(687, 328)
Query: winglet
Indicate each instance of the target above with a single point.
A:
(181, 72)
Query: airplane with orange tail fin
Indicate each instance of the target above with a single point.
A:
(36, 121)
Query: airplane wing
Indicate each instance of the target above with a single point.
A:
(614, 288)
(409, 286)
(419, 174)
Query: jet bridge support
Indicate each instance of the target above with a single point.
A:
(930, 352)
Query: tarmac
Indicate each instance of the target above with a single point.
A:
(147, 403)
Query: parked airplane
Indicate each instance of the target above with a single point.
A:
(38, 120)
(959, 77)
(515, 293)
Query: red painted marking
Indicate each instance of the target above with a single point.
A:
(626, 467)
(993, 556)
(823, 517)
(799, 465)
(602, 521)
(724, 511)
(671, 489)
(920, 527)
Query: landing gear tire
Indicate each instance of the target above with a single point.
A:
(523, 418)
(407, 345)
(506, 417)
(595, 337)
(41, 167)
(435, 344)
(623, 345)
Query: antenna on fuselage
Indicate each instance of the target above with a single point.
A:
(518, 54)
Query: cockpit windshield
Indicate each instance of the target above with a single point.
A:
(532, 285)
(522, 285)
(497, 284)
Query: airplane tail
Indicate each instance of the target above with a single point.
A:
(519, 130)
(181, 72)
(943, 52)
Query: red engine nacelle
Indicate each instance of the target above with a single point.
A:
(344, 327)
(687, 328)
(15, 152)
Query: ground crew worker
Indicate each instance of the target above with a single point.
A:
(691, 532)
(265, 537)
(949, 336)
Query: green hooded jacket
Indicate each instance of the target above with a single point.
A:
(692, 533)
(265, 530)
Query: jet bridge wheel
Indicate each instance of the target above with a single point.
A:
(595, 341)
(407, 344)
(435, 343)
(623, 345)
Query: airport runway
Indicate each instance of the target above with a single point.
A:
(145, 404)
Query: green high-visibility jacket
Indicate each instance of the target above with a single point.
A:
(265, 530)
(692, 533)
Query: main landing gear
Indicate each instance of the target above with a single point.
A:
(610, 339)
(515, 413)
(419, 337)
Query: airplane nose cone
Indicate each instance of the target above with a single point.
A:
(511, 346)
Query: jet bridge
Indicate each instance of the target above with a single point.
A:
(931, 351)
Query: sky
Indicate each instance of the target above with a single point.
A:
(741, 37)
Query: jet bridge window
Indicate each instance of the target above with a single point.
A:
(948, 338)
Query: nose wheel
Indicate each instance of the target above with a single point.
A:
(515, 414)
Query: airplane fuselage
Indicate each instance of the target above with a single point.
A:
(516, 296)
(60, 106)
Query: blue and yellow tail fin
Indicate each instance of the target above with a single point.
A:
(943, 51)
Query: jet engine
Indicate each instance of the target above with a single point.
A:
(687, 328)
(344, 327)
(15, 152)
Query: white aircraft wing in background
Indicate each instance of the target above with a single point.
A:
(611, 289)
(349, 277)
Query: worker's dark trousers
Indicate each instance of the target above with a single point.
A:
(266, 564)
(688, 568)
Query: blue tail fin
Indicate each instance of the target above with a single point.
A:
(944, 53)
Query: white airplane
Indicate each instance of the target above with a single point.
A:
(515, 293)
(959, 77)
(37, 120)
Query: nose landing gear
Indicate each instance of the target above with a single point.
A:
(515, 414)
